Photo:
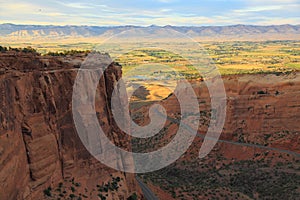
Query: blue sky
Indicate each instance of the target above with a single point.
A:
(147, 12)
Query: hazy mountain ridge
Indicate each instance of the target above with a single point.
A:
(240, 31)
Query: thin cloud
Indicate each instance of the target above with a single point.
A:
(160, 12)
(77, 5)
(259, 9)
(272, 2)
(81, 5)
(166, 1)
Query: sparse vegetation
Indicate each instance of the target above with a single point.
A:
(133, 197)
(68, 53)
(27, 49)
(238, 179)
(47, 192)
(71, 189)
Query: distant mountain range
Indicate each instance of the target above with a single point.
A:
(214, 32)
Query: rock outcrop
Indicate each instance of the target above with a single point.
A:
(39, 147)
(262, 111)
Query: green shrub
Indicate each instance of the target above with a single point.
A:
(133, 197)
(47, 192)
(3, 49)
(73, 189)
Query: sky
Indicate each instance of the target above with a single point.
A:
(148, 12)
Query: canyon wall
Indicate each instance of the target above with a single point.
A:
(39, 147)
(262, 109)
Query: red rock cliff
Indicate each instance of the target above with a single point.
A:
(39, 147)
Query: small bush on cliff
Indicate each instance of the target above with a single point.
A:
(47, 192)
(28, 50)
(261, 92)
(73, 189)
(3, 49)
(133, 197)
(77, 184)
(101, 197)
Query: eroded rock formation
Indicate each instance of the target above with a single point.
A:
(39, 147)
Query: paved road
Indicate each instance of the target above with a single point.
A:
(149, 195)
(190, 130)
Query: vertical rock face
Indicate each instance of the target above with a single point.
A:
(262, 109)
(39, 146)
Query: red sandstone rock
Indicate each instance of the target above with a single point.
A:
(39, 146)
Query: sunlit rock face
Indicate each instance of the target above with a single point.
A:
(39, 146)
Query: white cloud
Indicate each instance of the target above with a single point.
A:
(259, 8)
(77, 5)
(81, 5)
(166, 1)
(270, 2)
(165, 10)
(278, 21)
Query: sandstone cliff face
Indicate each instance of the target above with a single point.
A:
(265, 110)
(39, 147)
(262, 109)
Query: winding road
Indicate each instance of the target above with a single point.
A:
(191, 131)
(149, 195)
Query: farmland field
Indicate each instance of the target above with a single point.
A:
(229, 57)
